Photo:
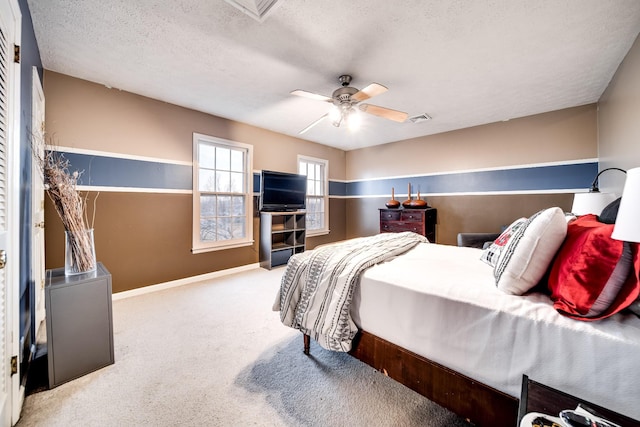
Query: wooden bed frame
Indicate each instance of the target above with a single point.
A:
(476, 402)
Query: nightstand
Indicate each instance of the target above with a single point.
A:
(79, 323)
(537, 397)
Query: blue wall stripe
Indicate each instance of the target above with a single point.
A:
(101, 171)
(557, 177)
(337, 188)
(256, 182)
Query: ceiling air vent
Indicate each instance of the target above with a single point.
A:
(257, 9)
(420, 118)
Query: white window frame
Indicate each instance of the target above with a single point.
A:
(199, 246)
(325, 166)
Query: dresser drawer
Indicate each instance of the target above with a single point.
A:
(399, 226)
(389, 215)
(420, 221)
(412, 216)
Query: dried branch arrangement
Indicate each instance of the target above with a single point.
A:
(61, 186)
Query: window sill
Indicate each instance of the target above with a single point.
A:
(221, 247)
(315, 233)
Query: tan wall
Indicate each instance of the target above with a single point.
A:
(458, 214)
(619, 122)
(145, 238)
(86, 115)
(568, 134)
(557, 136)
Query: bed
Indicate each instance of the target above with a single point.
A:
(433, 319)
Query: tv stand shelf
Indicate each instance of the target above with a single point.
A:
(282, 234)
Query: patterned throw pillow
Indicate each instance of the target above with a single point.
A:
(490, 255)
(527, 255)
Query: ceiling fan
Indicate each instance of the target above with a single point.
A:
(346, 98)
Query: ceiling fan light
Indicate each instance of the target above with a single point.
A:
(335, 115)
(346, 101)
(354, 120)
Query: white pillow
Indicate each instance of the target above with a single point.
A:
(526, 256)
(490, 255)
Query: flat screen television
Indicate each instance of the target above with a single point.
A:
(280, 191)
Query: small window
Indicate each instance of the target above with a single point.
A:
(222, 194)
(317, 172)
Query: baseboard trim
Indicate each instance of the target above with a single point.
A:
(181, 282)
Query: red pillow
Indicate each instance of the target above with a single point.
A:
(592, 277)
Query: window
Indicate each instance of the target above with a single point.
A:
(222, 194)
(317, 172)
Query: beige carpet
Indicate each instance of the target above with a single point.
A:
(214, 354)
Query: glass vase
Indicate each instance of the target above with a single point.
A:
(79, 252)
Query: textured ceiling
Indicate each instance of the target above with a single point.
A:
(465, 63)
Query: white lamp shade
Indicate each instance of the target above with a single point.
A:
(627, 226)
(591, 203)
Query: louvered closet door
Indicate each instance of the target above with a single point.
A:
(4, 356)
(9, 164)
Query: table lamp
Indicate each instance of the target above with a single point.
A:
(591, 203)
(594, 201)
(627, 227)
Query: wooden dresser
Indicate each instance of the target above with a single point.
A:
(421, 221)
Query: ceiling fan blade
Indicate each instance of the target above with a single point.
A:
(387, 113)
(369, 92)
(311, 95)
(312, 124)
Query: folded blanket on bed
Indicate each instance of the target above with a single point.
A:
(317, 286)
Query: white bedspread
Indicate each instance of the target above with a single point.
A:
(441, 302)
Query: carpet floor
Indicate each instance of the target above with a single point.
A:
(214, 354)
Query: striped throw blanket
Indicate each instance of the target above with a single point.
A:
(317, 286)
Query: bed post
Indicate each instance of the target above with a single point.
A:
(307, 343)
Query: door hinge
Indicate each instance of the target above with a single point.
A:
(14, 365)
(16, 53)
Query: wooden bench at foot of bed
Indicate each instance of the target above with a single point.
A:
(476, 402)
